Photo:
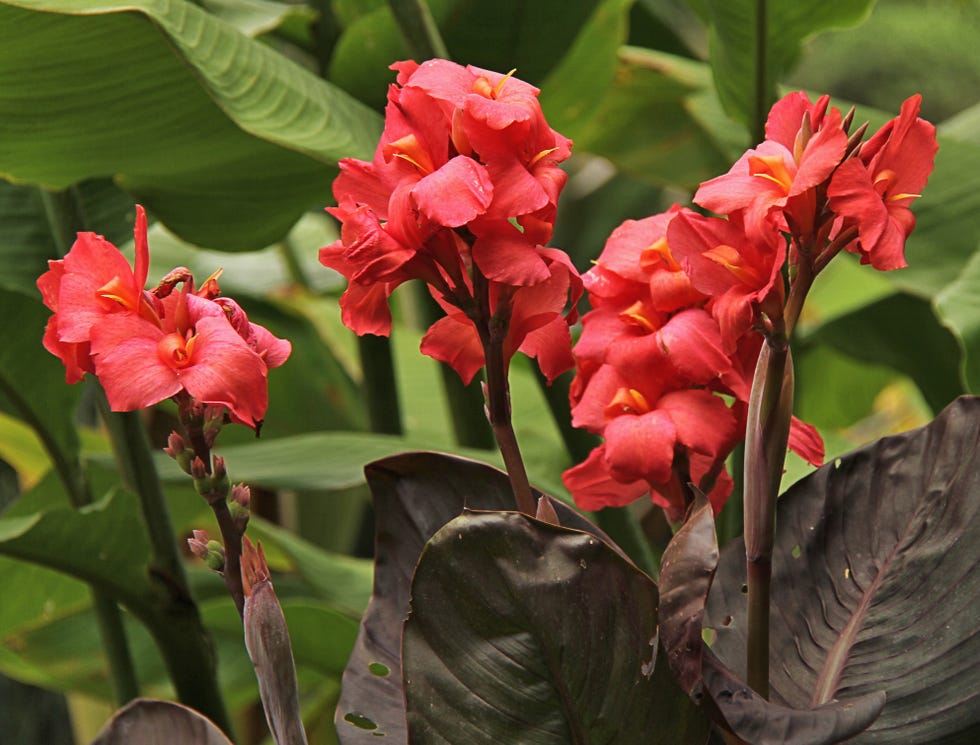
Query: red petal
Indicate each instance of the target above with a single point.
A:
(504, 256)
(455, 194)
(128, 365)
(593, 487)
(224, 371)
(641, 447)
(805, 441)
(453, 340)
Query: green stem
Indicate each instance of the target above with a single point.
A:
(132, 448)
(172, 615)
(380, 387)
(419, 29)
(65, 220)
(761, 99)
(125, 685)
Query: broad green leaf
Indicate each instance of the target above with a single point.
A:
(103, 544)
(221, 137)
(154, 722)
(734, 32)
(587, 68)
(641, 120)
(875, 584)
(902, 332)
(32, 384)
(958, 306)
(947, 231)
(856, 386)
(490, 647)
(256, 17)
(415, 494)
(531, 37)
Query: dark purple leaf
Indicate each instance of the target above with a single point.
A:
(150, 721)
(415, 494)
(875, 584)
(687, 569)
(522, 631)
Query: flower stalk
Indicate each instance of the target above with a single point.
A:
(766, 437)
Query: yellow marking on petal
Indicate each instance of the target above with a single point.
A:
(656, 254)
(116, 290)
(408, 148)
(539, 156)
(636, 314)
(772, 168)
(626, 401)
(504, 79)
(904, 195)
(731, 259)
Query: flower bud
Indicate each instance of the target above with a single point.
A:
(267, 642)
(210, 551)
(238, 506)
(177, 449)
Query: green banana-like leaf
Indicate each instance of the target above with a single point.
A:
(32, 385)
(735, 51)
(221, 137)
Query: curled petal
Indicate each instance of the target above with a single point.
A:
(593, 487)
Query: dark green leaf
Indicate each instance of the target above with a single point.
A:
(901, 332)
(734, 51)
(587, 67)
(222, 138)
(415, 494)
(875, 584)
(32, 384)
(958, 305)
(491, 648)
(642, 121)
(103, 544)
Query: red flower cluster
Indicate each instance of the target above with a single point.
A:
(462, 194)
(149, 346)
(678, 298)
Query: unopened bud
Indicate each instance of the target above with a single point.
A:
(238, 504)
(214, 418)
(178, 450)
(210, 551)
(267, 642)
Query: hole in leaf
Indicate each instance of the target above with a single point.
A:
(379, 669)
(797, 551)
(360, 721)
(708, 636)
(744, 589)
(728, 621)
